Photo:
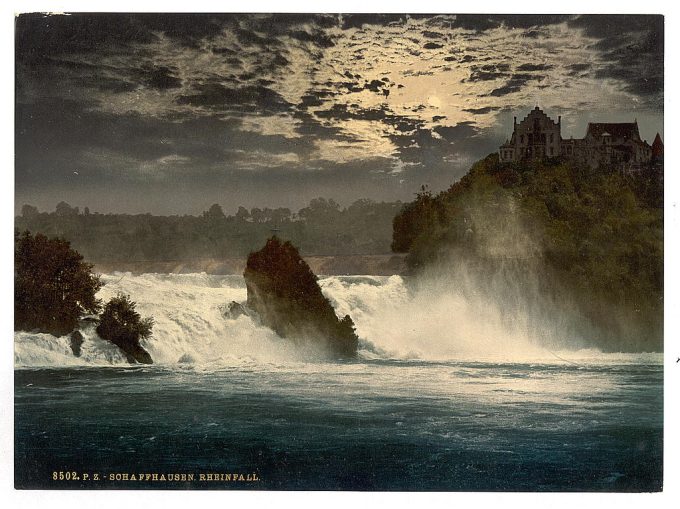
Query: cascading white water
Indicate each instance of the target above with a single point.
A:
(432, 323)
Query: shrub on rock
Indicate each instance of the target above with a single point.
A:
(123, 326)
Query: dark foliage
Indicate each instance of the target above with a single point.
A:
(320, 228)
(420, 215)
(123, 326)
(592, 237)
(53, 286)
(284, 292)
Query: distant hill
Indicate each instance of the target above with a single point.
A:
(590, 241)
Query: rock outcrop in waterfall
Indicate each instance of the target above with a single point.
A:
(284, 292)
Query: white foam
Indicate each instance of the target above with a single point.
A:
(190, 329)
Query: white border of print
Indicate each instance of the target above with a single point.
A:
(116, 499)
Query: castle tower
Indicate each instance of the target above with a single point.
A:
(537, 136)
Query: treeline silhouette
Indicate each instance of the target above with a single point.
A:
(323, 227)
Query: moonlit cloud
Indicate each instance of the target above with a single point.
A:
(205, 102)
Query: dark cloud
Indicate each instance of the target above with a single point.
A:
(188, 31)
(224, 51)
(531, 20)
(482, 111)
(250, 38)
(310, 100)
(432, 150)
(39, 35)
(70, 126)
(317, 37)
(161, 78)
(359, 20)
(477, 22)
(522, 78)
(311, 126)
(506, 89)
(535, 67)
(247, 97)
(482, 22)
(640, 80)
(347, 112)
(115, 86)
(488, 72)
(281, 23)
(432, 45)
(432, 35)
(633, 51)
(375, 85)
(614, 26)
(533, 34)
(460, 131)
(515, 84)
(358, 85)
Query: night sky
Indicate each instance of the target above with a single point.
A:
(170, 113)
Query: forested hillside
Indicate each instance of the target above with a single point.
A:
(590, 239)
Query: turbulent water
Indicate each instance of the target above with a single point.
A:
(444, 395)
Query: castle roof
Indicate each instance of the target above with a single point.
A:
(618, 130)
(537, 112)
(657, 146)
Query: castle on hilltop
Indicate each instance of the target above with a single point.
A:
(605, 144)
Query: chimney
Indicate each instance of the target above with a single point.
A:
(559, 120)
(514, 121)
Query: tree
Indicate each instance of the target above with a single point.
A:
(214, 212)
(320, 209)
(256, 214)
(63, 209)
(53, 286)
(278, 216)
(242, 214)
(29, 211)
(123, 326)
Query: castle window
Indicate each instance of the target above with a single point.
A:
(552, 138)
(521, 138)
(552, 152)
